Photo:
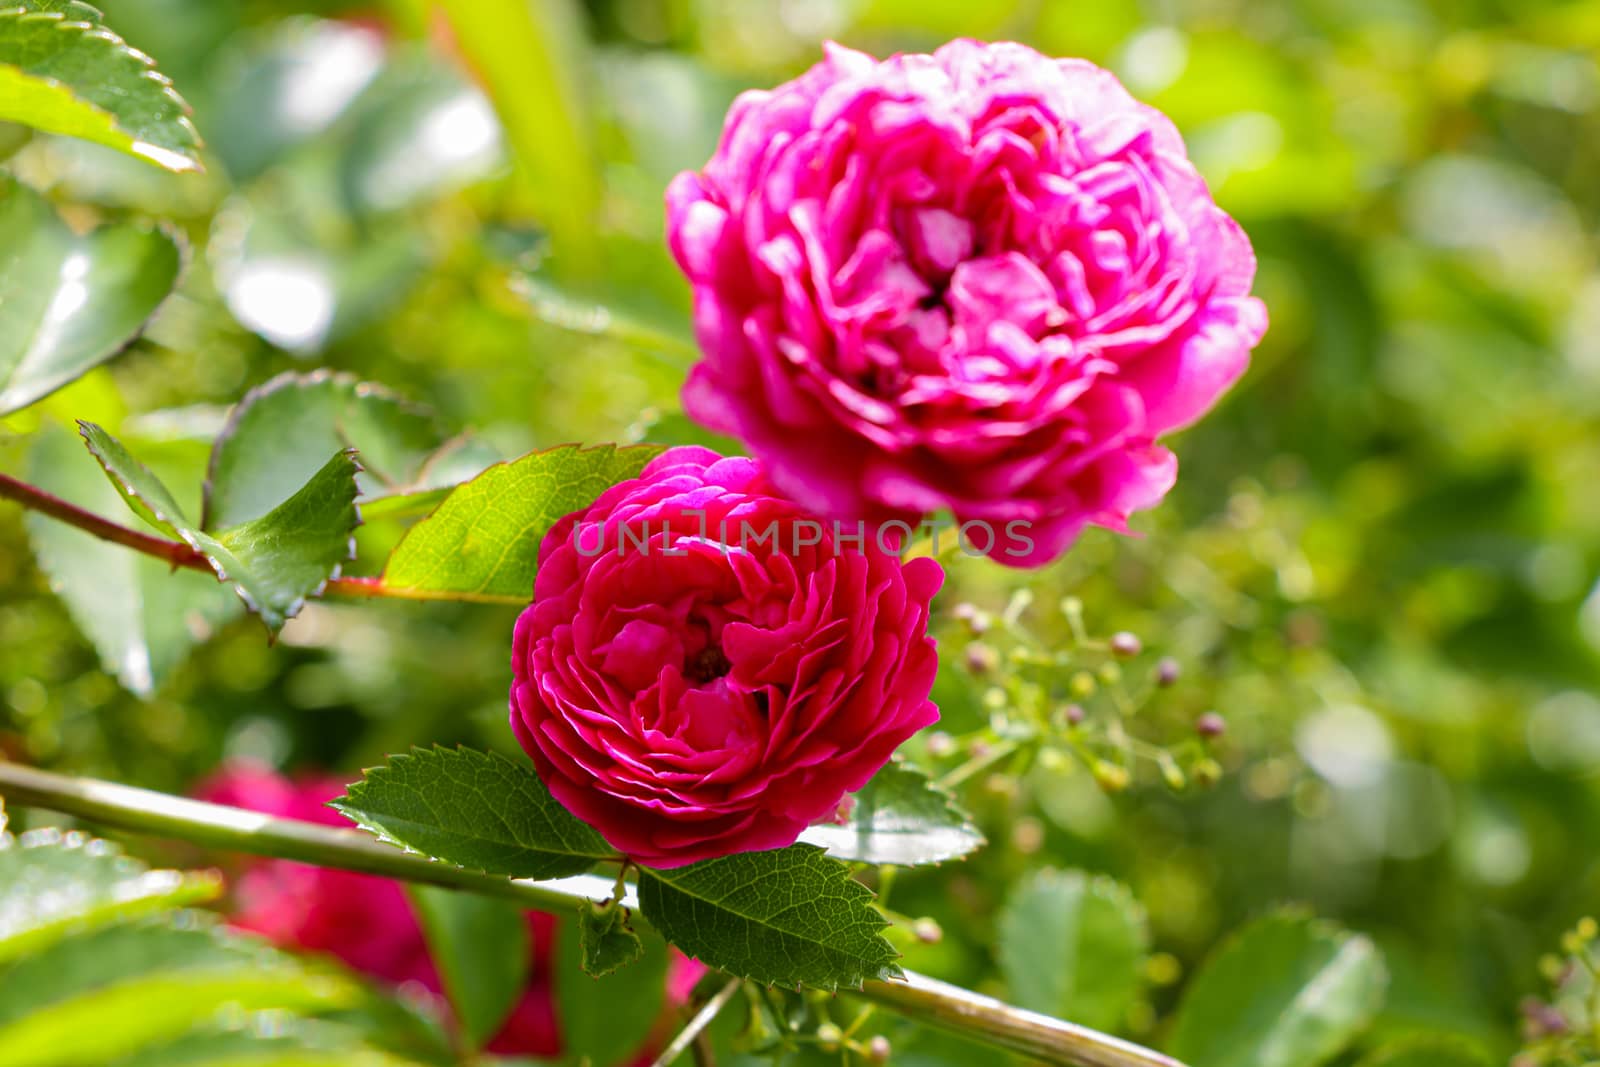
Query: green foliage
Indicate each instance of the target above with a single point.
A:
(282, 433)
(1073, 946)
(68, 300)
(482, 542)
(1287, 991)
(142, 616)
(481, 947)
(606, 937)
(1426, 1052)
(63, 71)
(473, 809)
(607, 1018)
(54, 885)
(790, 917)
(275, 561)
(96, 966)
(899, 818)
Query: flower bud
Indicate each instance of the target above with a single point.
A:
(829, 1037)
(1210, 725)
(1073, 714)
(1111, 777)
(981, 659)
(1207, 773)
(927, 930)
(1167, 671)
(878, 1049)
(1125, 645)
(1081, 685)
(941, 745)
(1110, 673)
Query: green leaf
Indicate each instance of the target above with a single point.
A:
(473, 809)
(482, 950)
(120, 1018)
(458, 460)
(269, 1039)
(606, 937)
(282, 432)
(1427, 1052)
(1286, 991)
(1073, 946)
(142, 617)
(70, 301)
(901, 818)
(88, 998)
(274, 562)
(790, 917)
(607, 1018)
(63, 71)
(53, 884)
(482, 543)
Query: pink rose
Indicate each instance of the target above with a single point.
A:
(705, 669)
(982, 280)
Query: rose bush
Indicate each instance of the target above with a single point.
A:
(706, 669)
(983, 280)
(363, 920)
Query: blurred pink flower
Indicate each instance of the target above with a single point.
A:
(983, 280)
(705, 669)
(367, 922)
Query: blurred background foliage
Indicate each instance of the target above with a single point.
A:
(1379, 565)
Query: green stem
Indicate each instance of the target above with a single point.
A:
(696, 1026)
(926, 1000)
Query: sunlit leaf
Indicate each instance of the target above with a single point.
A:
(69, 301)
(62, 70)
(899, 817)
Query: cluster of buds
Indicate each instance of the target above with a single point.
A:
(1563, 1027)
(1075, 699)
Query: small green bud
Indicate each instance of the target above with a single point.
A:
(829, 1037)
(1081, 685)
(1110, 673)
(1207, 773)
(1111, 777)
(994, 698)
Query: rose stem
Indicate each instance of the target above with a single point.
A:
(175, 553)
(696, 1026)
(143, 811)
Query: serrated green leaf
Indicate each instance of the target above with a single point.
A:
(480, 946)
(607, 1018)
(606, 937)
(790, 917)
(273, 562)
(482, 543)
(142, 617)
(63, 71)
(282, 432)
(70, 301)
(1427, 1052)
(1073, 946)
(473, 809)
(1286, 991)
(900, 818)
(53, 884)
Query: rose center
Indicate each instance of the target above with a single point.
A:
(707, 665)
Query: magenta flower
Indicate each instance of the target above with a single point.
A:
(982, 280)
(705, 669)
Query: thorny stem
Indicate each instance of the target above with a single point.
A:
(925, 1000)
(175, 553)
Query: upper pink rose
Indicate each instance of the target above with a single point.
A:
(704, 670)
(983, 280)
